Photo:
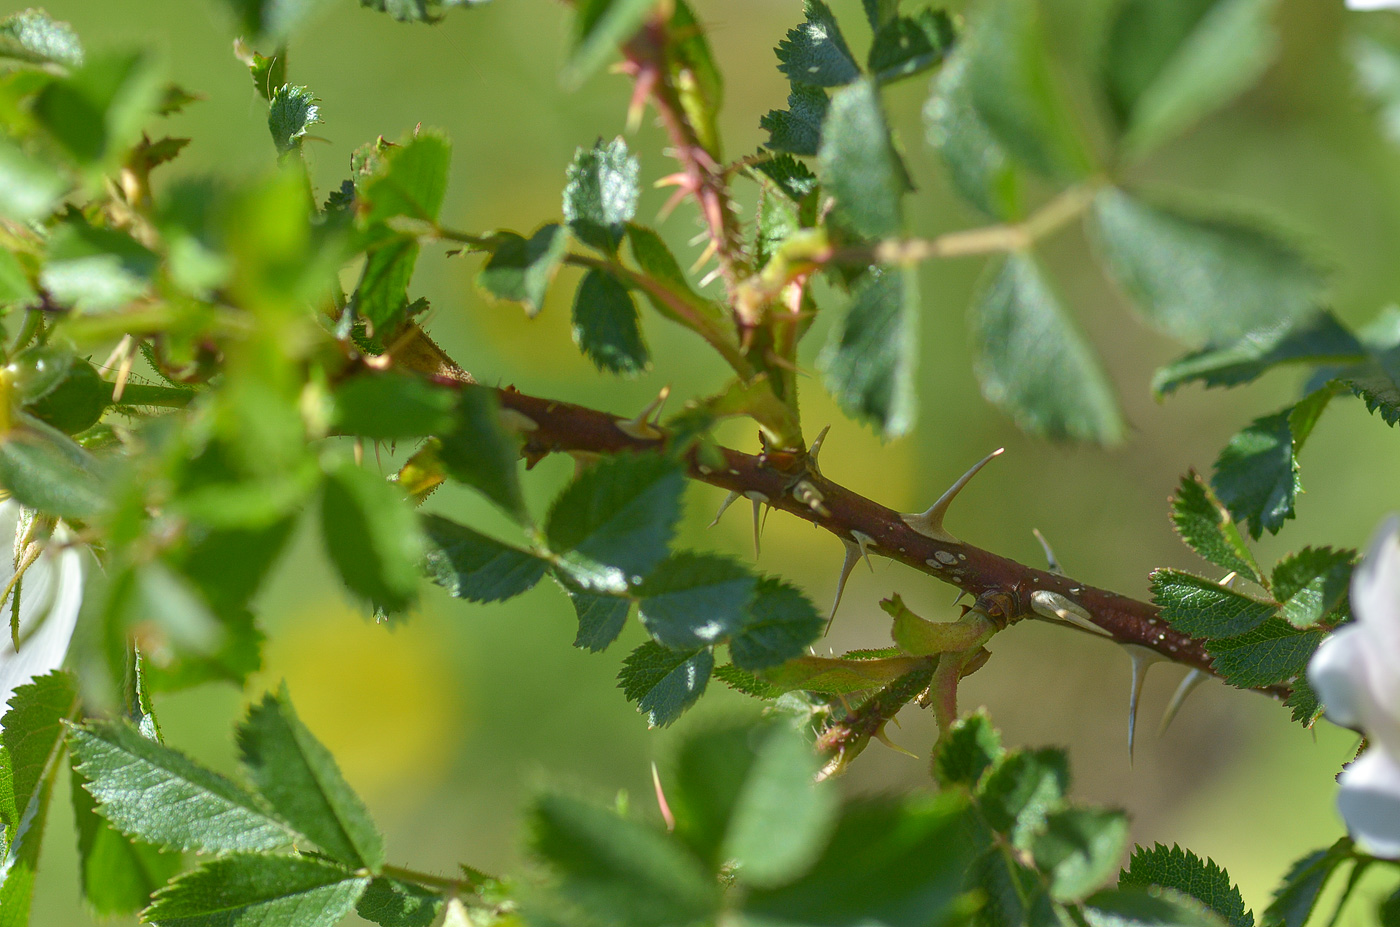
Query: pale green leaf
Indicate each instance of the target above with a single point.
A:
(1204, 608)
(978, 165)
(34, 37)
(1080, 849)
(290, 115)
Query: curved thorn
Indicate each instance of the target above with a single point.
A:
(1142, 661)
(1050, 559)
(816, 449)
(866, 542)
(1188, 685)
(661, 803)
(757, 527)
(959, 597)
(930, 523)
(724, 507)
(847, 565)
(884, 738)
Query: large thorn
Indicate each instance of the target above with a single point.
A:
(816, 449)
(724, 507)
(853, 552)
(757, 527)
(1052, 563)
(1143, 659)
(661, 802)
(1188, 685)
(930, 523)
(643, 427)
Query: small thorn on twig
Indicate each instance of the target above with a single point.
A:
(930, 523)
(724, 506)
(710, 250)
(1188, 685)
(643, 427)
(661, 803)
(1143, 659)
(853, 552)
(884, 738)
(1053, 563)
(757, 528)
(816, 449)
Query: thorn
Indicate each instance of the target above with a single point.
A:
(884, 738)
(723, 507)
(705, 256)
(853, 552)
(1143, 659)
(678, 179)
(1188, 685)
(959, 597)
(757, 528)
(646, 80)
(711, 277)
(866, 542)
(643, 427)
(930, 523)
(666, 814)
(1229, 579)
(816, 449)
(1054, 564)
(670, 205)
(698, 238)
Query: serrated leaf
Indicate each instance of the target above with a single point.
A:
(98, 110)
(600, 196)
(34, 37)
(1169, 65)
(1312, 584)
(1296, 897)
(601, 618)
(790, 175)
(1189, 874)
(1032, 362)
(619, 871)
(741, 680)
(299, 778)
(291, 113)
(1016, 896)
(1303, 703)
(480, 452)
(118, 874)
(664, 682)
(858, 165)
(1203, 279)
(1013, 88)
(908, 45)
(475, 567)
(1204, 608)
(29, 187)
(978, 166)
(44, 469)
(96, 269)
(695, 600)
(258, 891)
(1147, 906)
(371, 535)
(797, 129)
(390, 406)
(613, 524)
(32, 737)
(1273, 652)
(1316, 337)
(599, 27)
(1205, 525)
(520, 270)
(869, 364)
(198, 809)
(1022, 790)
(969, 749)
(780, 624)
(815, 53)
(410, 179)
(395, 903)
(606, 327)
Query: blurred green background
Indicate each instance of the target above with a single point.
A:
(445, 724)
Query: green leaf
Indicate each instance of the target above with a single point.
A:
(394, 903)
(258, 891)
(390, 406)
(199, 810)
(416, 11)
(381, 296)
(118, 874)
(909, 45)
(613, 524)
(273, 19)
(606, 327)
(747, 794)
(1080, 849)
(601, 618)
(410, 179)
(980, 169)
(97, 111)
(854, 672)
(869, 362)
(1312, 585)
(1034, 365)
(1375, 59)
(1016, 93)
(815, 53)
(95, 269)
(1316, 337)
(1205, 525)
(29, 188)
(1296, 897)
(1204, 280)
(371, 535)
(1147, 906)
(481, 453)
(1022, 790)
(475, 567)
(1303, 703)
(694, 600)
(31, 742)
(290, 115)
(1187, 873)
(665, 682)
(1169, 65)
(268, 71)
(599, 27)
(743, 681)
(34, 37)
(857, 164)
(303, 786)
(970, 748)
(780, 624)
(521, 270)
(915, 851)
(44, 469)
(1204, 608)
(1016, 896)
(600, 195)
(1271, 653)
(619, 871)
(1256, 475)
(797, 129)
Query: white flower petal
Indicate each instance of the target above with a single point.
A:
(51, 595)
(1337, 671)
(1369, 802)
(1375, 600)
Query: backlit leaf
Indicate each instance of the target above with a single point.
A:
(520, 270)
(600, 196)
(815, 53)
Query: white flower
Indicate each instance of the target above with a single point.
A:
(50, 594)
(1356, 673)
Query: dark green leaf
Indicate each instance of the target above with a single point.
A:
(96, 112)
(268, 71)
(381, 296)
(869, 363)
(1080, 849)
(968, 750)
(1312, 584)
(291, 114)
(977, 164)
(372, 535)
(480, 452)
(520, 270)
(1147, 906)
(601, 618)
(694, 600)
(1204, 608)
(743, 681)
(199, 809)
(96, 269)
(606, 327)
(475, 567)
(1207, 528)
(44, 469)
(258, 891)
(1015, 91)
(797, 129)
(794, 178)
(1032, 362)
(1189, 874)
(664, 682)
(780, 624)
(118, 874)
(34, 37)
(619, 871)
(815, 53)
(600, 196)
(1273, 652)
(857, 164)
(1202, 279)
(29, 187)
(1296, 897)
(302, 784)
(599, 27)
(393, 903)
(416, 11)
(1303, 704)
(410, 179)
(1021, 791)
(614, 523)
(1015, 895)
(31, 742)
(908, 45)
(389, 406)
